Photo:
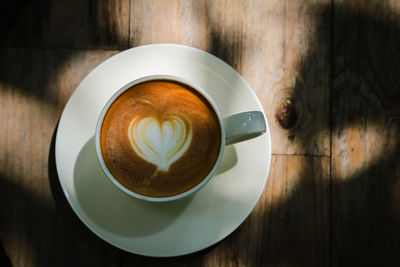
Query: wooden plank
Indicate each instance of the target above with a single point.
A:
(66, 24)
(289, 226)
(267, 42)
(38, 228)
(365, 141)
(170, 21)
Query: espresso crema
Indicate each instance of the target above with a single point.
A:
(160, 138)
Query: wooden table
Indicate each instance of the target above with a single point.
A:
(326, 72)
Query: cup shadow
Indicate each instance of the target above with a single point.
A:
(229, 160)
(107, 207)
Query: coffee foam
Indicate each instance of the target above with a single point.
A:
(160, 143)
(160, 138)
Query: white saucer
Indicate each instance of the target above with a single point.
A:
(160, 229)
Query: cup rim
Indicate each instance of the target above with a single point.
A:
(145, 79)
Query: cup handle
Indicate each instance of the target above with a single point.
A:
(243, 126)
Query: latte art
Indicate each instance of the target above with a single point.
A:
(160, 143)
(160, 138)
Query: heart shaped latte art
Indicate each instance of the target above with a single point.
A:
(160, 143)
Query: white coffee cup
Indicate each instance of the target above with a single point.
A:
(235, 128)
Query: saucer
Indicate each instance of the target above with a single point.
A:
(160, 229)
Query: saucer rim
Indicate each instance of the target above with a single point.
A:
(121, 54)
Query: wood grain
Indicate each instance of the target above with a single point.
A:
(66, 24)
(365, 136)
(38, 228)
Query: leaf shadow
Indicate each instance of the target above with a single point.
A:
(348, 215)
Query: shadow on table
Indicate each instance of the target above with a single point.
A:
(41, 231)
(363, 210)
(64, 24)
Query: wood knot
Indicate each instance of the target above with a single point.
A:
(287, 110)
(286, 114)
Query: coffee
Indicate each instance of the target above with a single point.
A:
(160, 138)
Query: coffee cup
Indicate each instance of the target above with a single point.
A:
(161, 137)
